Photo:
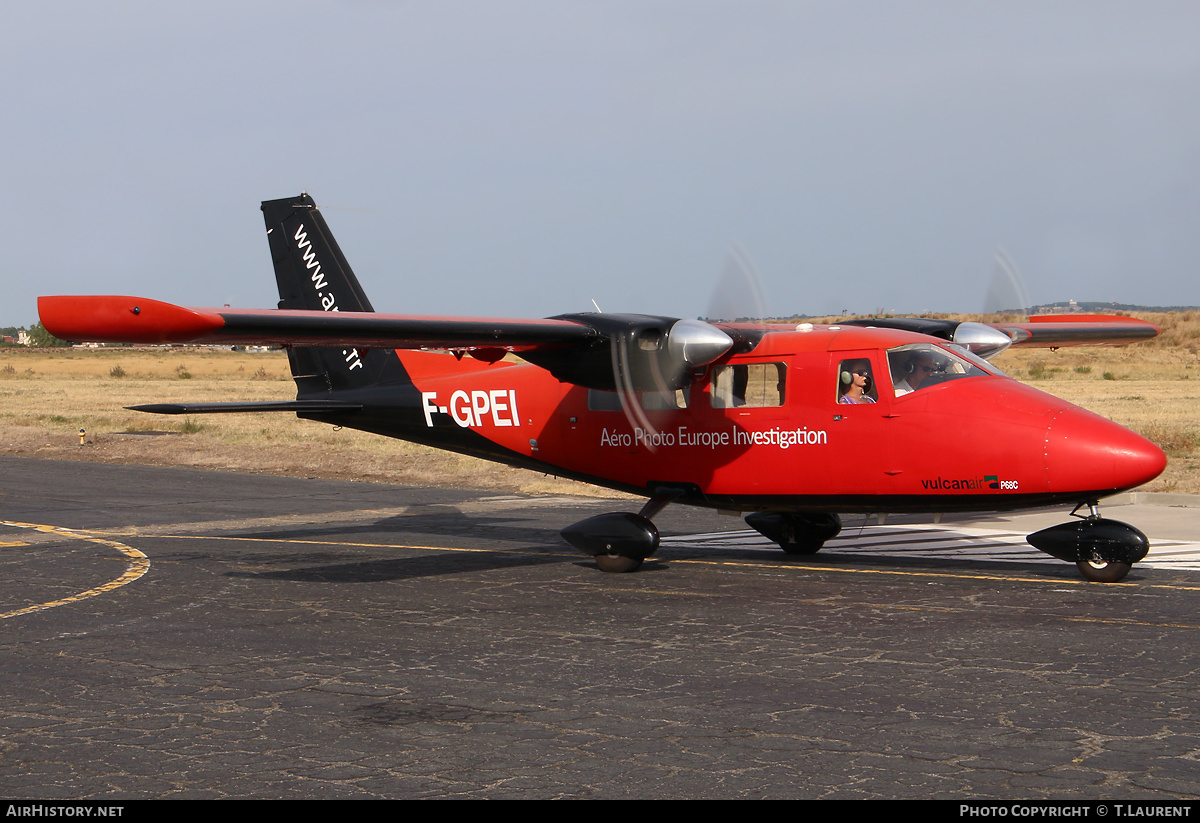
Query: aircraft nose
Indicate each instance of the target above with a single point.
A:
(1086, 452)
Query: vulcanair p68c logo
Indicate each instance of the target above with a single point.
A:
(987, 481)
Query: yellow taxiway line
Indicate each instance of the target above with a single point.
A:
(138, 565)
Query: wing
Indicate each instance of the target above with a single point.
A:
(1044, 331)
(119, 319)
(1054, 330)
(593, 350)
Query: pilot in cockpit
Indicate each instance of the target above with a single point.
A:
(919, 367)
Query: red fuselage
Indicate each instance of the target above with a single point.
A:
(984, 442)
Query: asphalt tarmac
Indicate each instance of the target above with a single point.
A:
(186, 634)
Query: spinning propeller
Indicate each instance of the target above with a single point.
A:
(1007, 291)
(640, 361)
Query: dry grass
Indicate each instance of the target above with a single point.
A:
(46, 396)
(49, 395)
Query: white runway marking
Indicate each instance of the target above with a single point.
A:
(940, 541)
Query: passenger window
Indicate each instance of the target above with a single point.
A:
(601, 400)
(856, 383)
(677, 399)
(753, 385)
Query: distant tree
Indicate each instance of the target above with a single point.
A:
(40, 337)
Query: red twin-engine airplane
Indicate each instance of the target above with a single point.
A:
(791, 423)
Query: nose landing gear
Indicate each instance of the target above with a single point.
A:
(1103, 550)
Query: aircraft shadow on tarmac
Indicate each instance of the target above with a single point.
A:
(834, 560)
(528, 542)
(534, 546)
(450, 523)
(945, 565)
(403, 568)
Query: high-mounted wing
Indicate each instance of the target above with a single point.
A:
(1054, 330)
(648, 352)
(1042, 331)
(119, 319)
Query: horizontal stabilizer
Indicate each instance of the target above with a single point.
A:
(263, 406)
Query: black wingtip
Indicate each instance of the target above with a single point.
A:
(160, 408)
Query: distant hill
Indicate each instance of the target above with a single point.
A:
(1064, 307)
(1085, 307)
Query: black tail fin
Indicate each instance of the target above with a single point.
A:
(312, 273)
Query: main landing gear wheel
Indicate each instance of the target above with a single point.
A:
(618, 542)
(802, 547)
(617, 564)
(1103, 571)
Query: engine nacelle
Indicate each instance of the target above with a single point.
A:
(635, 352)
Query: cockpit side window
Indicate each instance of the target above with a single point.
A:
(921, 365)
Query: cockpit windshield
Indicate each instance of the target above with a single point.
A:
(921, 365)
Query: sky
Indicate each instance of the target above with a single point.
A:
(522, 159)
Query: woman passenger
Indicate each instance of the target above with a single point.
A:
(855, 382)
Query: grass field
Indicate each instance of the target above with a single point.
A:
(48, 395)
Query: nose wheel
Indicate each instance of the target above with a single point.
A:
(1103, 550)
(1103, 571)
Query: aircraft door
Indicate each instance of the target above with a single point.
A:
(857, 397)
